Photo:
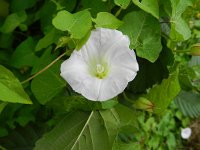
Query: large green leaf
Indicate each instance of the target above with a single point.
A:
(189, 103)
(24, 54)
(11, 89)
(48, 84)
(179, 28)
(161, 95)
(77, 24)
(84, 131)
(144, 33)
(107, 20)
(12, 21)
(150, 6)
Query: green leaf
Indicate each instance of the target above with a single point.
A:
(188, 103)
(24, 54)
(78, 24)
(6, 40)
(161, 95)
(46, 58)
(144, 33)
(171, 141)
(151, 73)
(22, 138)
(48, 84)
(76, 102)
(122, 3)
(190, 75)
(96, 6)
(12, 21)
(51, 37)
(84, 131)
(107, 20)
(179, 28)
(2, 106)
(21, 5)
(81, 42)
(4, 8)
(126, 146)
(150, 6)
(11, 89)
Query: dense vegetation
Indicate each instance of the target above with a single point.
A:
(39, 110)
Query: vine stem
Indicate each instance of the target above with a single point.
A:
(45, 68)
(118, 12)
(126, 97)
(181, 51)
(79, 136)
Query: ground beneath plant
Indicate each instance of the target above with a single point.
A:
(194, 140)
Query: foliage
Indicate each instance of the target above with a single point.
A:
(43, 112)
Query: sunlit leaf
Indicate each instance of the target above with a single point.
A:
(11, 89)
(107, 20)
(73, 23)
(179, 28)
(150, 6)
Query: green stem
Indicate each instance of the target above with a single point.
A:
(118, 12)
(126, 97)
(181, 51)
(2, 148)
(44, 69)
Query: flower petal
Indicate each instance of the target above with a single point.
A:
(74, 70)
(186, 133)
(126, 60)
(91, 88)
(115, 83)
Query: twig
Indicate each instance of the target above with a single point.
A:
(45, 68)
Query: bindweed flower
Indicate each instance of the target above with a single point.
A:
(102, 68)
(186, 133)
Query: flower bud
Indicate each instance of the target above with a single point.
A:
(195, 49)
(144, 104)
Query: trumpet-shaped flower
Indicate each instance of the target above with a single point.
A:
(186, 133)
(102, 68)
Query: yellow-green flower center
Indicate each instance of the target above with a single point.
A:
(101, 71)
(98, 69)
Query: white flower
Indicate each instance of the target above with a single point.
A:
(102, 68)
(186, 133)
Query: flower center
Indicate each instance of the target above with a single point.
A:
(100, 71)
(99, 68)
